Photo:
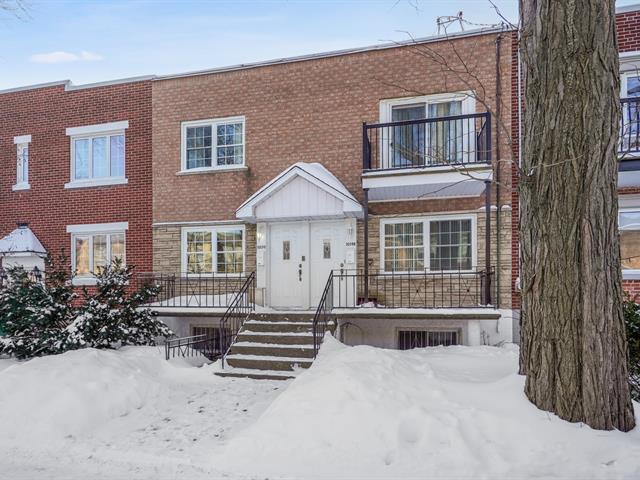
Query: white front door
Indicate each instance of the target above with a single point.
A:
(301, 256)
(288, 255)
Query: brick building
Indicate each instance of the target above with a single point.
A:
(76, 173)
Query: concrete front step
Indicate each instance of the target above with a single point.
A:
(283, 317)
(255, 374)
(273, 326)
(280, 338)
(265, 362)
(273, 350)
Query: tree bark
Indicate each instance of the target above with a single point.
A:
(573, 345)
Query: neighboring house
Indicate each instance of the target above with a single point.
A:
(372, 163)
(75, 175)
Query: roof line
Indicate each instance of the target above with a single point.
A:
(334, 53)
(628, 8)
(69, 86)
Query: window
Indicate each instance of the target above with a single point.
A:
(630, 128)
(97, 154)
(629, 225)
(403, 247)
(450, 244)
(213, 250)
(408, 339)
(22, 162)
(213, 144)
(443, 243)
(94, 247)
(432, 143)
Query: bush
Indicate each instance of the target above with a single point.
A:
(632, 321)
(45, 318)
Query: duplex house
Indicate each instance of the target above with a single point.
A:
(76, 175)
(379, 177)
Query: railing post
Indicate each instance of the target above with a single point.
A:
(366, 247)
(366, 153)
(489, 139)
(487, 242)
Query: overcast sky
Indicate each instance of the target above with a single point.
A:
(95, 40)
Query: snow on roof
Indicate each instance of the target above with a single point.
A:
(21, 240)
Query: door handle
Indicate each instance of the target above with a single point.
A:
(299, 272)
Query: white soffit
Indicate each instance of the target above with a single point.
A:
(302, 191)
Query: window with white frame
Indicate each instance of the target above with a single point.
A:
(434, 244)
(22, 161)
(431, 143)
(93, 247)
(98, 154)
(213, 144)
(208, 250)
(629, 226)
(630, 121)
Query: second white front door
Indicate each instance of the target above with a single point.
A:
(301, 256)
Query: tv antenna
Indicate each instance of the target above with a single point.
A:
(446, 20)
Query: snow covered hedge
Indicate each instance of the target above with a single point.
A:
(632, 320)
(47, 318)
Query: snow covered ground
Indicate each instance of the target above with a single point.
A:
(359, 412)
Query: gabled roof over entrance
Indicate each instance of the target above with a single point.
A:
(22, 241)
(304, 191)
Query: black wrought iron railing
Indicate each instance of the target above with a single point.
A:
(323, 315)
(239, 310)
(629, 144)
(193, 290)
(427, 142)
(208, 346)
(424, 289)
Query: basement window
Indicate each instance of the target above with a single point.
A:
(408, 339)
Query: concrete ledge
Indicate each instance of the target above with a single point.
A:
(420, 313)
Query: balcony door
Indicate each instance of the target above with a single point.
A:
(630, 128)
(425, 144)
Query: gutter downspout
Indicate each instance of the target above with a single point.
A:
(498, 205)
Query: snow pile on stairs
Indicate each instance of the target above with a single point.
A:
(364, 412)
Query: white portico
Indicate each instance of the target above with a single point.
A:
(21, 248)
(306, 227)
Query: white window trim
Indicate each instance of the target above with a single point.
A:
(90, 132)
(213, 229)
(214, 140)
(426, 243)
(17, 141)
(89, 230)
(467, 98)
(629, 274)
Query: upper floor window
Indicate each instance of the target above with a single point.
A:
(93, 247)
(22, 162)
(208, 250)
(434, 244)
(436, 142)
(97, 154)
(213, 144)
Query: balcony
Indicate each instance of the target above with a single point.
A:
(439, 156)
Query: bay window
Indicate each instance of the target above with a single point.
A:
(213, 144)
(433, 243)
(209, 250)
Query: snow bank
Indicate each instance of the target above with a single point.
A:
(363, 412)
(79, 391)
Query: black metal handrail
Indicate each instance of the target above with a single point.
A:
(239, 310)
(192, 290)
(427, 142)
(423, 289)
(208, 346)
(629, 143)
(323, 315)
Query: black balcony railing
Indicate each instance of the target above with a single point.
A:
(460, 289)
(190, 290)
(428, 142)
(629, 144)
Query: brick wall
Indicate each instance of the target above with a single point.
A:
(45, 113)
(628, 31)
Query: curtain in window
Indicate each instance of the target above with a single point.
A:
(445, 137)
(408, 142)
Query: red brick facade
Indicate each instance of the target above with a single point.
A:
(45, 113)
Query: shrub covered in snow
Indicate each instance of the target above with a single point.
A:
(46, 318)
(632, 319)
(32, 314)
(110, 317)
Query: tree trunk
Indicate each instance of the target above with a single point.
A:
(573, 348)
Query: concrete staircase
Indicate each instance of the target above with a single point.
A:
(271, 346)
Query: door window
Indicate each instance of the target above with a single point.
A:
(286, 250)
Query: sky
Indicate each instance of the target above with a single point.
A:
(97, 40)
